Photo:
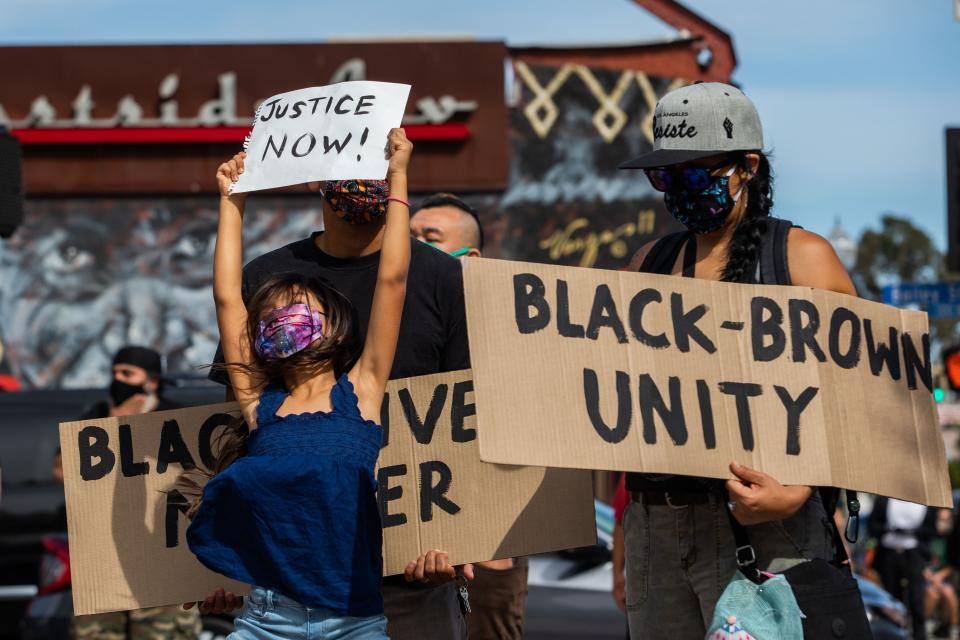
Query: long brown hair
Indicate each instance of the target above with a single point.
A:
(229, 445)
(337, 350)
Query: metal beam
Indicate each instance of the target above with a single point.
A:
(717, 42)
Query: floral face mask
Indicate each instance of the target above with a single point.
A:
(357, 201)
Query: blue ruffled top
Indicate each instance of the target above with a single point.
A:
(298, 514)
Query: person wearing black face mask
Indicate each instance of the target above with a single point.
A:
(679, 531)
(136, 386)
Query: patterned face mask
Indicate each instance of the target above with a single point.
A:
(357, 201)
(706, 210)
(287, 330)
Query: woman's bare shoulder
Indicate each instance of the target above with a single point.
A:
(814, 263)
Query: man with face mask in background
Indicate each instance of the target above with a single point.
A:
(498, 593)
(136, 388)
(433, 339)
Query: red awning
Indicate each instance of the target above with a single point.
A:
(182, 135)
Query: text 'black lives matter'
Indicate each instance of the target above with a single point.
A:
(98, 455)
(98, 458)
(434, 477)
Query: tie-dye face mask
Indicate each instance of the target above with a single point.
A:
(357, 201)
(287, 330)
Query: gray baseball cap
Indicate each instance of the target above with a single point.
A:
(698, 121)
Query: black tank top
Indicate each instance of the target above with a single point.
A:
(771, 268)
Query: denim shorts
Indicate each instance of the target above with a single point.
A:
(267, 615)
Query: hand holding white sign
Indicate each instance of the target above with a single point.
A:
(399, 149)
(227, 175)
(337, 132)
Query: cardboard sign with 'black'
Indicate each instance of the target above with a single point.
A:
(127, 522)
(595, 369)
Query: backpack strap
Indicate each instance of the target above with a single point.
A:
(853, 517)
(746, 554)
(663, 254)
(773, 265)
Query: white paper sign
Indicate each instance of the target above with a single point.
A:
(338, 132)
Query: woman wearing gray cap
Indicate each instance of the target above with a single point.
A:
(680, 539)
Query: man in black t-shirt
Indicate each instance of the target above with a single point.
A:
(433, 339)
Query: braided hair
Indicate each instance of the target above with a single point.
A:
(744, 249)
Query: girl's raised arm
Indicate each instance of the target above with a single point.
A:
(227, 281)
(373, 368)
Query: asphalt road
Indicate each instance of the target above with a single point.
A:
(573, 613)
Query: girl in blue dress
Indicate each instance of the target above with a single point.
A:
(296, 515)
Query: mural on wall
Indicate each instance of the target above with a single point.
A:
(567, 202)
(83, 277)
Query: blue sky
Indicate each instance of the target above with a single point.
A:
(854, 94)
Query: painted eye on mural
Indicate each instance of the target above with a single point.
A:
(192, 244)
(68, 258)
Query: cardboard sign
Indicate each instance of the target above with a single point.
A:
(127, 528)
(338, 132)
(602, 369)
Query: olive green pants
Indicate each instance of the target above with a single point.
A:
(157, 623)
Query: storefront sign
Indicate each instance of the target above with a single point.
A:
(215, 121)
(155, 119)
